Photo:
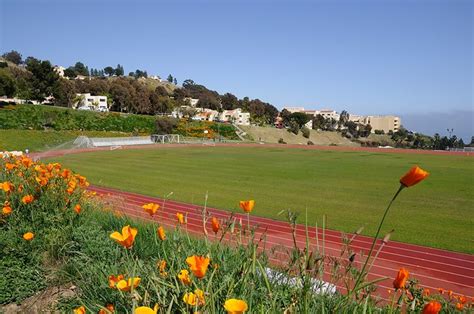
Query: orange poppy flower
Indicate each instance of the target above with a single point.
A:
(433, 307)
(20, 188)
(42, 181)
(110, 307)
(27, 162)
(193, 299)
(183, 276)
(426, 292)
(27, 199)
(180, 218)
(77, 208)
(66, 173)
(459, 306)
(151, 208)
(161, 233)
(114, 279)
(28, 236)
(235, 306)
(462, 299)
(215, 224)
(10, 166)
(401, 279)
(126, 238)
(441, 290)
(80, 310)
(6, 210)
(247, 206)
(126, 285)
(413, 176)
(146, 310)
(198, 265)
(7, 187)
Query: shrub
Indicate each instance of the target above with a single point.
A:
(281, 141)
(379, 132)
(310, 143)
(305, 131)
(165, 125)
(293, 127)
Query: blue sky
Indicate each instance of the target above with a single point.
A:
(411, 58)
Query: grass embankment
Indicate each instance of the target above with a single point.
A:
(351, 188)
(272, 135)
(35, 140)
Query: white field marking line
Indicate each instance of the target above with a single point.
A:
(429, 278)
(380, 258)
(301, 228)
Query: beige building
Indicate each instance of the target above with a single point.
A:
(235, 116)
(385, 123)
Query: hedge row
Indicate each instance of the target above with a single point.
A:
(45, 117)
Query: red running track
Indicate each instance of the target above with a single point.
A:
(434, 268)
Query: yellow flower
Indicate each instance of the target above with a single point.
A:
(183, 276)
(126, 285)
(247, 206)
(193, 299)
(146, 310)
(235, 306)
(180, 218)
(80, 310)
(126, 238)
(198, 265)
(28, 236)
(151, 208)
(162, 267)
(161, 233)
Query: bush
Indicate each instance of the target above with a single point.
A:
(293, 127)
(46, 117)
(310, 143)
(281, 141)
(166, 125)
(379, 132)
(305, 131)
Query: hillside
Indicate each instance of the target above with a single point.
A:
(272, 135)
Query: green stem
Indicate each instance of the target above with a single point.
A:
(361, 274)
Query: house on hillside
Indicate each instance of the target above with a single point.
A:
(235, 116)
(206, 115)
(93, 103)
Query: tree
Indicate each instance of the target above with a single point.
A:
(109, 71)
(12, 56)
(343, 118)
(319, 122)
(7, 84)
(187, 83)
(81, 69)
(175, 81)
(300, 118)
(44, 78)
(70, 72)
(64, 93)
(229, 101)
(170, 78)
(119, 71)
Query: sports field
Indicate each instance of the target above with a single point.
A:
(351, 188)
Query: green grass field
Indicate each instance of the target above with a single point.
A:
(351, 188)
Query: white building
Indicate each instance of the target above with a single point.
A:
(205, 114)
(385, 123)
(192, 101)
(235, 116)
(93, 103)
(59, 70)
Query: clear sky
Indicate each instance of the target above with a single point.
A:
(407, 57)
